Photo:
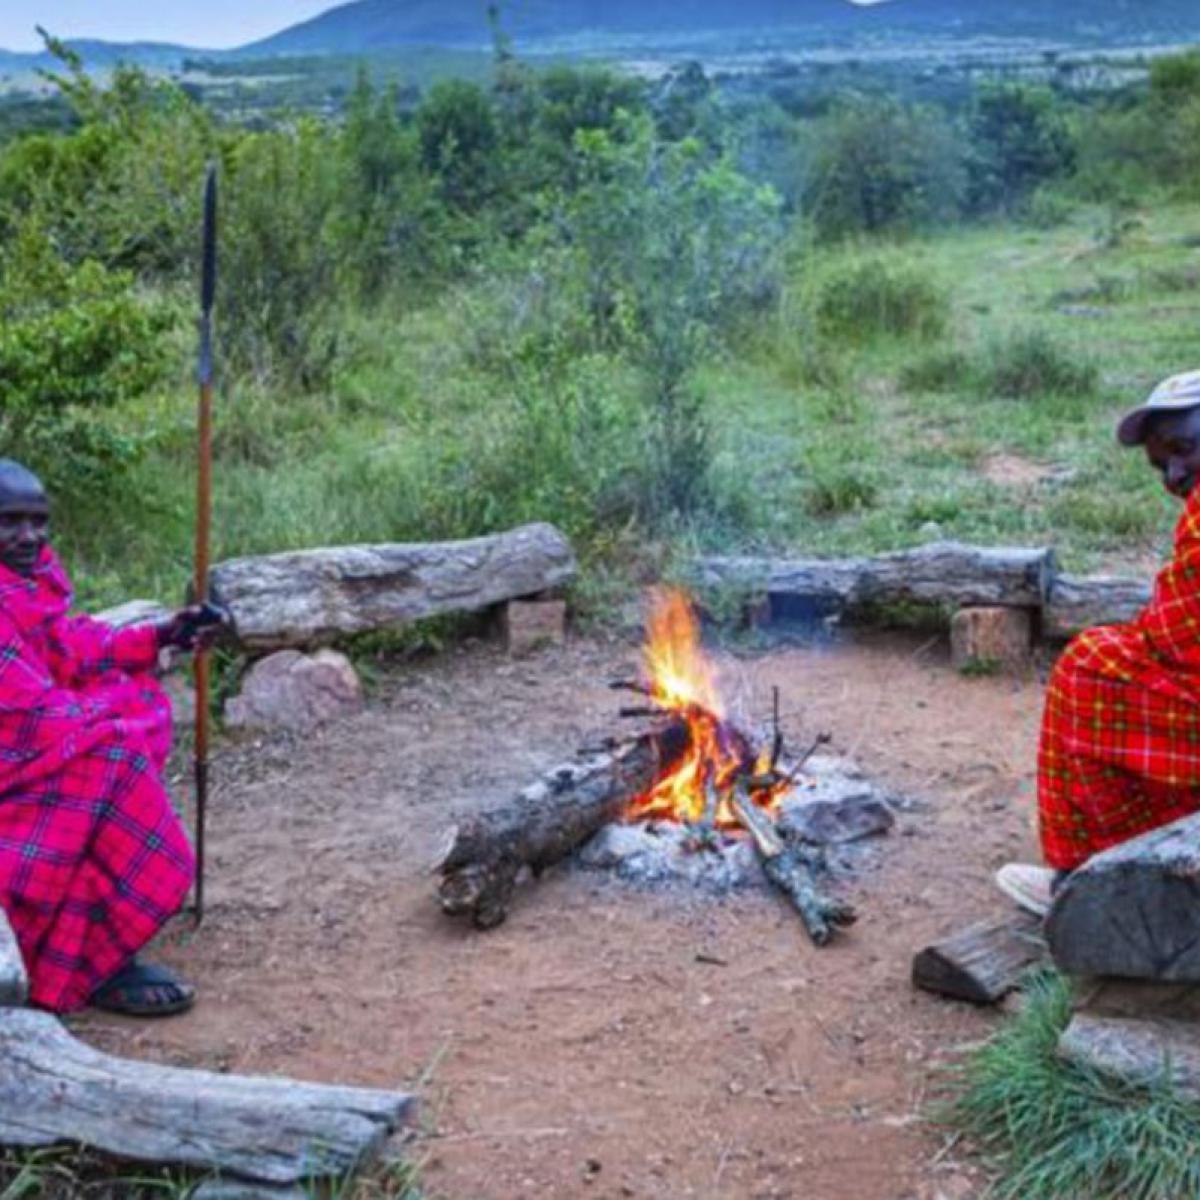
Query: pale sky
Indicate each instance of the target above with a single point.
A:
(206, 24)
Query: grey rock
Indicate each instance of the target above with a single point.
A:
(835, 821)
(14, 982)
(1136, 1051)
(307, 597)
(133, 612)
(294, 691)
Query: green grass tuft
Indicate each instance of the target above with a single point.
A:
(1029, 363)
(1053, 1131)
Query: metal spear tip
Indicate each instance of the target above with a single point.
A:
(208, 276)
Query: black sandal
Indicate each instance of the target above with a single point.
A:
(144, 990)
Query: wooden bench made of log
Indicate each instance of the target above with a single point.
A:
(307, 597)
(945, 573)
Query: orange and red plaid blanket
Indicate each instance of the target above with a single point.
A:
(93, 859)
(1120, 747)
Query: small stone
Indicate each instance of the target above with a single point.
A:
(529, 625)
(295, 691)
(833, 822)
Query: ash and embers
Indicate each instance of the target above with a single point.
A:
(833, 805)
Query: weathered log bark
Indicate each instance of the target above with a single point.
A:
(1133, 911)
(307, 597)
(1141, 1052)
(14, 983)
(983, 963)
(544, 823)
(942, 573)
(54, 1090)
(790, 869)
(222, 1189)
(1078, 602)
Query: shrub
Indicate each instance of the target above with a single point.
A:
(880, 295)
(1029, 363)
(881, 165)
(938, 370)
(74, 341)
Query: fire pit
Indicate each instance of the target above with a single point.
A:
(689, 794)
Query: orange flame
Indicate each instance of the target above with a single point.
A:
(683, 683)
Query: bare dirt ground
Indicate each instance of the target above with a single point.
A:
(581, 1049)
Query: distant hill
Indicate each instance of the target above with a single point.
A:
(366, 25)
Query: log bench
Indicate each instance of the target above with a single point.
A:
(258, 1137)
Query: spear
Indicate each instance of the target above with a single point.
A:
(200, 589)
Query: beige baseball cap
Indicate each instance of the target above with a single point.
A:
(1176, 394)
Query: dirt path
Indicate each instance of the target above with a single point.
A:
(582, 1049)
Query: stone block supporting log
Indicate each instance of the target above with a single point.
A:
(1076, 603)
(528, 625)
(307, 597)
(14, 982)
(1133, 911)
(54, 1090)
(992, 637)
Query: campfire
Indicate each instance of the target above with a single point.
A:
(689, 764)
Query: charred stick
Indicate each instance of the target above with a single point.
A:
(791, 871)
(822, 739)
(777, 735)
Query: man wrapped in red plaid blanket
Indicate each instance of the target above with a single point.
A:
(1120, 746)
(93, 860)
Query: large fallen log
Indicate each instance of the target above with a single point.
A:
(1145, 1053)
(790, 867)
(54, 1090)
(942, 573)
(1133, 911)
(14, 982)
(543, 824)
(1079, 602)
(307, 597)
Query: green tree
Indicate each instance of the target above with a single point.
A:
(1019, 139)
(456, 126)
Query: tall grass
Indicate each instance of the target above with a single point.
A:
(1053, 1131)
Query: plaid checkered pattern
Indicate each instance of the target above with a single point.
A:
(93, 859)
(1120, 747)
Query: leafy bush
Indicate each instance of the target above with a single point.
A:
(1020, 139)
(73, 342)
(881, 165)
(880, 294)
(1029, 363)
(1053, 1130)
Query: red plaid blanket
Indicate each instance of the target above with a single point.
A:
(93, 859)
(1120, 748)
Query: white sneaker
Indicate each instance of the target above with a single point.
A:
(1029, 887)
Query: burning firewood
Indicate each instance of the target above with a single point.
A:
(693, 766)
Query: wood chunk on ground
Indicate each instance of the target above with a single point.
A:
(14, 982)
(993, 636)
(1136, 1051)
(983, 963)
(55, 1090)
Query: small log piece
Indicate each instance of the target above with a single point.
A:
(1134, 911)
(1141, 1052)
(941, 573)
(1077, 602)
(790, 868)
(527, 625)
(305, 597)
(544, 823)
(981, 964)
(992, 637)
(54, 1090)
(14, 982)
